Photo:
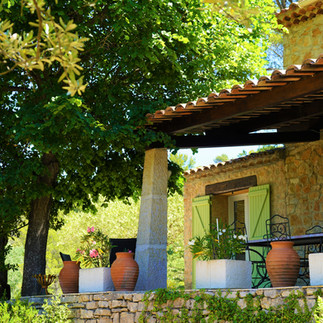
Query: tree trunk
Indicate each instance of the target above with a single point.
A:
(4, 287)
(38, 226)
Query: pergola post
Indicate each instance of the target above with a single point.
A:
(152, 232)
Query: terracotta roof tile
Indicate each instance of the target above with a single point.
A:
(296, 13)
(257, 157)
(250, 89)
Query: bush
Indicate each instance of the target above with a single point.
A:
(19, 311)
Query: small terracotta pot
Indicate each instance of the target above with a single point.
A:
(282, 264)
(69, 277)
(124, 271)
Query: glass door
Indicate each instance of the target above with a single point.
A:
(238, 207)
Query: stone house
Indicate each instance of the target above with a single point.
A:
(286, 181)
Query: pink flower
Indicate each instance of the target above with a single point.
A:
(90, 229)
(93, 242)
(78, 250)
(94, 253)
(130, 251)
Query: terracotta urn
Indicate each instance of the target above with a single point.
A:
(69, 277)
(124, 271)
(282, 264)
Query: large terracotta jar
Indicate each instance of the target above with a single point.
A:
(124, 271)
(282, 264)
(69, 277)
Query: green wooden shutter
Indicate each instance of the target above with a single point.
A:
(259, 212)
(201, 217)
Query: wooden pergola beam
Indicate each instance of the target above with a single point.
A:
(277, 95)
(275, 120)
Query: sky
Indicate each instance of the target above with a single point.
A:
(205, 156)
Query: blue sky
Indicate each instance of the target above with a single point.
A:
(205, 156)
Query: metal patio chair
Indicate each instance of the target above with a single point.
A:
(304, 273)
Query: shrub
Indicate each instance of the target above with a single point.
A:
(20, 311)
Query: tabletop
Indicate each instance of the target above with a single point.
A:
(301, 240)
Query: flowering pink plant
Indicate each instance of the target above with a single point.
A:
(95, 249)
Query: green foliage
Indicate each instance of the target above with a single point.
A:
(16, 256)
(19, 311)
(219, 308)
(318, 314)
(267, 147)
(259, 149)
(138, 57)
(95, 249)
(54, 311)
(132, 51)
(50, 43)
(175, 242)
(218, 243)
(249, 13)
(119, 220)
(244, 153)
(183, 161)
(221, 158)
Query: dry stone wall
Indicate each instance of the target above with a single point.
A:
(126, 307)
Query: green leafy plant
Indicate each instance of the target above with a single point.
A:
(318, 314)
(221, 242)
(95, 249)
(205, 307)
(18, 312)
(21, 311)
(54, 311)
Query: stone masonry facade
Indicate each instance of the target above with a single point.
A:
(295, 176)
(126, 307)
(303, 41)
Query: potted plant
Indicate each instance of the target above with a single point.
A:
(216, 266)
(94, 254)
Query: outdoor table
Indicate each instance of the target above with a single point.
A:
(300, 240)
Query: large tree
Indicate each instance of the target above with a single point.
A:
(59, 151)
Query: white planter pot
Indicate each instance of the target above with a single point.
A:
(316, 268)
(95, 280)
(223, 273)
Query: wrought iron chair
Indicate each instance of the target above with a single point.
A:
(304, 274)
(277, 228)
(314, 248)
(260, 277)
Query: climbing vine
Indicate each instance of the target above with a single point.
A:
(201, 306)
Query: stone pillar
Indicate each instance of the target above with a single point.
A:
(152, 232)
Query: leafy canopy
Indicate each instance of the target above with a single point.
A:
(136, 57)
(50, 42)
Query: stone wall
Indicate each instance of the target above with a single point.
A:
(126, 307)
(303, 41)
(304, 190)
(295, 175)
